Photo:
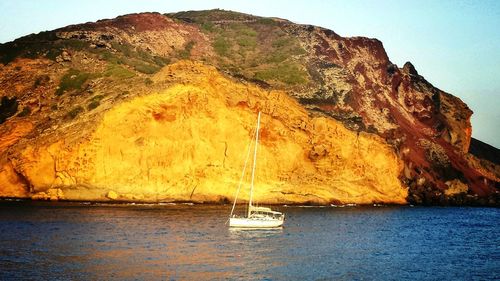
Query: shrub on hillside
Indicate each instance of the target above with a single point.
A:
(72, 80)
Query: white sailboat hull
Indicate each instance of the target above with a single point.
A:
(255, 222)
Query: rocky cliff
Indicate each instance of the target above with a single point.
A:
(152, 107)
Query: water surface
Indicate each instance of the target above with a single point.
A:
(43, 241)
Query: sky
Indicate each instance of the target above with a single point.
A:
(455, 45)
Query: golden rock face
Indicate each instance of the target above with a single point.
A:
(188, 142)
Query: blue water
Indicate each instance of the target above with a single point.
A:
(48, 241)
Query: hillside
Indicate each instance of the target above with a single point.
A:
(152, 107)
(484, 151)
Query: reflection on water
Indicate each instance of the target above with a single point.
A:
(182, 242)
(254, 232)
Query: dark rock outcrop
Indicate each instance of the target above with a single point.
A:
(484, 151)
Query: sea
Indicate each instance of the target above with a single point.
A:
(83, 241)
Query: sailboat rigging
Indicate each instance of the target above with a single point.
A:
(256, 217)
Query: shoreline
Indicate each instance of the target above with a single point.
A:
(191, 203)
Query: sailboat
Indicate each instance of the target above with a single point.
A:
(256, 217)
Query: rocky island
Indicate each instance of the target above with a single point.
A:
(160, 107)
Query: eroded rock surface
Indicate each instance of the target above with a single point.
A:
(188, 142)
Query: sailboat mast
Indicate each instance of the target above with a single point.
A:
(254, 163)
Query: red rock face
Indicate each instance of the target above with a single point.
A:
(429, 128)
(132, 22)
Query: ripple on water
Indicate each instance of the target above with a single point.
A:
(179, 241)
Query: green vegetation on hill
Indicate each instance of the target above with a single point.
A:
(139, 59)
(289, 73)
(44, 44)
(211, 15)
(118, 71)
(245, 45)
(48, 45)
(254, 47)
(95, 101)
(186, 52)
(30, 46)
(72, 80)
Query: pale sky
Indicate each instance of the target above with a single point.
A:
(455, 45)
